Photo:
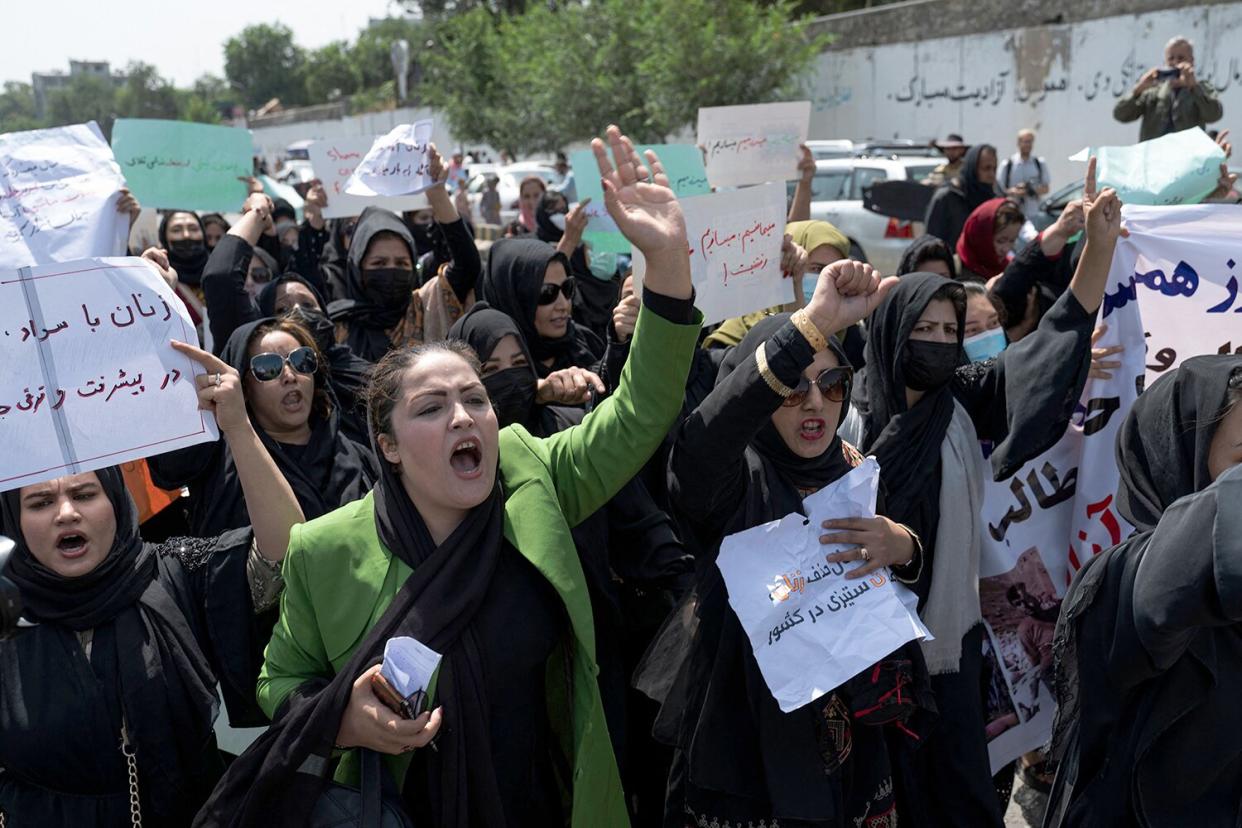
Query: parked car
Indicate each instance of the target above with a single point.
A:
(510, 176)
(837, 197)
(823, 150)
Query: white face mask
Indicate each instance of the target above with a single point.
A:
(558, 219)
(985, 345)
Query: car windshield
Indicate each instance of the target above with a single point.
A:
(918, 173)
(830, 185)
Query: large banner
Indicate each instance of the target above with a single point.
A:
(1172, 294)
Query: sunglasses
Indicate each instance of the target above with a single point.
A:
(547, 293)
(267, 367)
(834, 384)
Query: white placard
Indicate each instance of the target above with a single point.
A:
(90, 379)
(811, 629)
(752, 144)
(334, 163)
(397, 163)
(58, 196)
(409, 665)
(735, 251)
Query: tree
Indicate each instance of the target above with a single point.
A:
(17, 107)
(554, 76)
(83, 98)
(331, 72)
(145, 94)
(372, 53)
(263, 63)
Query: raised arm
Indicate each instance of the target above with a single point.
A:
(229, 306)
(800, 207)
(465, 267)
(270, 502)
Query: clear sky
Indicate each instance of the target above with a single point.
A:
(183, 39)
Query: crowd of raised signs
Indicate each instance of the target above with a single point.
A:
(490, 533)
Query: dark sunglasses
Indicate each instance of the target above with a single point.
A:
(834, 384)
(267, 367)
(547, 293)
(260, 275)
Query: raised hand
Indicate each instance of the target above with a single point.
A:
(436, 168)
(1101, 366)
(569, 386)
(806, 163)
(639, 199)
(576, 221)
(128, 203)
(832, 311)
(158, 256)
(219, 390)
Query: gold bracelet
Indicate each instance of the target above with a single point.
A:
(761, 361)
(802, 321)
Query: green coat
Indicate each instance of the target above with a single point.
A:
(1196, 108)
(339, 578)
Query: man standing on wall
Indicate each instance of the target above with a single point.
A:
(1024, 177)
(1170, 98)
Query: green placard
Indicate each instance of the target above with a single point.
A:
(683, 163)
(183, 165)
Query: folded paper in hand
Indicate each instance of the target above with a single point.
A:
(409, 666)
(811, 629)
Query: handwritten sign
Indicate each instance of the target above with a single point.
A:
(334, 163)
(1178, 168)
(752, 144)
(397, 164)
(90, 379)
(811, 629)
(735, 251)
(58, 195)
(182, 165)
(682, 163)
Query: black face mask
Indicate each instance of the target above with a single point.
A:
(929, 365)
(512, 392)
(423, 241)
(188, 256)
(388, 287)
(320, 326)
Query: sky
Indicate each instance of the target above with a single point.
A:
(182, 39)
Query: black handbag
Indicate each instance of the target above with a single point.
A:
(368, 806)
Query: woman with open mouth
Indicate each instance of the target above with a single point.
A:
(107, 704)
(468, 531)
(295, 415)
(762, 441)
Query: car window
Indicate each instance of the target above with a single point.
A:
(865, 177)
(832, 185)
(919, 173)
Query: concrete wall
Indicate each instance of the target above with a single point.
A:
(1060, 79)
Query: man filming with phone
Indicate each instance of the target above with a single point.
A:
(1170, 98)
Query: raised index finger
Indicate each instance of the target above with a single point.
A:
(1089, 189)
(212, 363)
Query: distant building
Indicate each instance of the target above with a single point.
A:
(45, 83)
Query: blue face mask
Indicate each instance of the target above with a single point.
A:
(603, 265)
(985, 345)
(808, 287)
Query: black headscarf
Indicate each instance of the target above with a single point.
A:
(167, 686)
(545, 230)
(926, 248)
(267, 296)
(1162, 448)
(368, 322)
(189, 267)
(906, 441)
(512, 391)
(515, 271)
(968, 182)
(328, 472)
(436, 605)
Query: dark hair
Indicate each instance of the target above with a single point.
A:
(974, 288)
(1007, 215)
(926, 248)
(321, 404)
(955, 292)
(552, 198)
(215, 218)
(385, 386)
(387, 234)
(543, 185)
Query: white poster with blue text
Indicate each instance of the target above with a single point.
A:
(1172, 293)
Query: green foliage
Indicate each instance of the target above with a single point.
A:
(17, 108)
(549, 77)
(263, 62)
(331, 72)
(372, 53)
(84, 98)
(146, 95)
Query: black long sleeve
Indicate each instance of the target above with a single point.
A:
(707, 470)
(229, 306)
(1028, 269)
(1023, 399)
(464, 269)
(311, 243)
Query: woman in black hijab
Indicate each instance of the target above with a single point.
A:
(1148, 648)
(107, 705)
(629, 549)
(928, 254)
(529, 280)
(953, 203)
(594, 298)
(296, 417)
(922, 412)
(744, 457)
(383, 307)
(182, 235)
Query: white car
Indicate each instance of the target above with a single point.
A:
(836, 197)
(510, 176)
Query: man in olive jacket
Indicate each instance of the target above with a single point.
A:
(1170, 98)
